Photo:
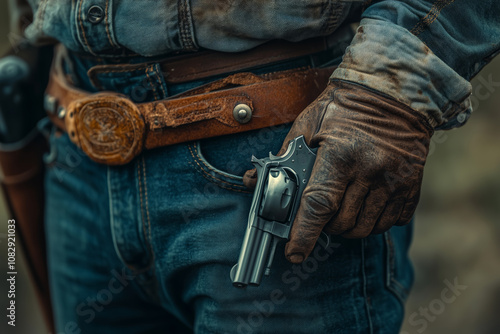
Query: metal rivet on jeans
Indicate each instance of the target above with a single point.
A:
(461, 118)
(242, 113)
(61, 112)
(50, 104)
(95, 14)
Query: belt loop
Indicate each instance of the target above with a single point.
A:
(67, 65)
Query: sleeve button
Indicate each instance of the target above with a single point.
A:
(95, 14)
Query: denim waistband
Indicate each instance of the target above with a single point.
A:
(146, 83)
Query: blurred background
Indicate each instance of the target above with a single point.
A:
(457, 231)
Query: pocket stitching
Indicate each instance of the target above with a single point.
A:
(212, 178)
(392, 283)
(216, 180)
(212, 168)
(145, 204)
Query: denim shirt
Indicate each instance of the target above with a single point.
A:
(420, 52)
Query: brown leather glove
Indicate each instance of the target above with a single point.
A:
(368, 170)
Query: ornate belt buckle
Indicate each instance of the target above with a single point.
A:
(107, 127)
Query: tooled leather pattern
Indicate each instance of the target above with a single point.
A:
(114, 137)
(107, 127)
(274, 100)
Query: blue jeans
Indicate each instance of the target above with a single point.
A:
(148, 247)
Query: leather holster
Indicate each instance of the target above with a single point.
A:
(22, 184)
(21, 159)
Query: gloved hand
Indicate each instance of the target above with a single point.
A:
(368, 170)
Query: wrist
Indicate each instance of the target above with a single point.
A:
(375, 104)
(389, 59)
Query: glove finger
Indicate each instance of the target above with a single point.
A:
(320, 202)
(373, 207)
(390, 214)
(250, 178)
(409, 208)
(308, 121)
(305, 124)
(351, 205)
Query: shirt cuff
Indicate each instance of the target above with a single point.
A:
(388, 58)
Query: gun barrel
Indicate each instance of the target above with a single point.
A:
(253, 258)
(261, 258)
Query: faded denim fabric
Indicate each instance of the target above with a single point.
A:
(152, 27)
(463, 36)
(148, 247)
(423, 52)
(408, 71)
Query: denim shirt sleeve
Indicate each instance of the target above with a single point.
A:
(161, 27)
(422, 53)
(20, 15)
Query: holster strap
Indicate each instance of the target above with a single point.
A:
(111, 129)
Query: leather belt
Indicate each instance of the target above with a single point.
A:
(204, 64)
(111, 129)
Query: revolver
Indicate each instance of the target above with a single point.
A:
(280, 183)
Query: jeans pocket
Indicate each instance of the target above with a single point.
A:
(224, 160)
(215, 175)
(399, 270)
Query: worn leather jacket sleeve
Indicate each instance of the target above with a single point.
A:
(423, 54)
